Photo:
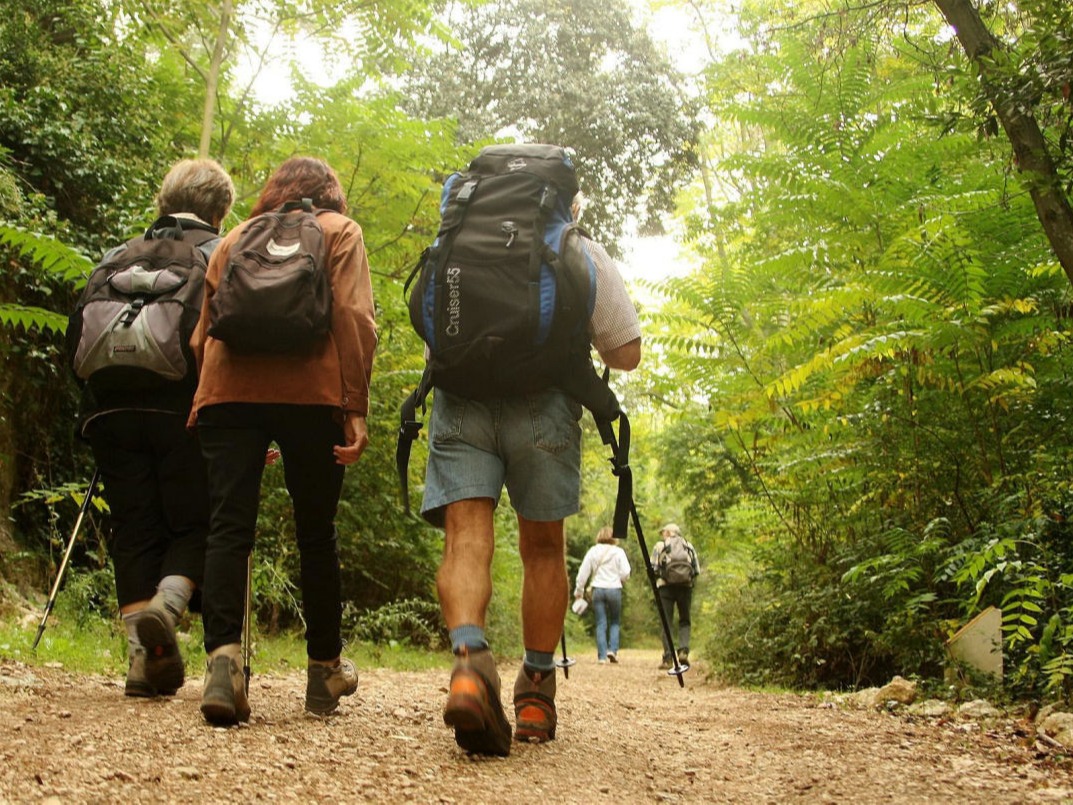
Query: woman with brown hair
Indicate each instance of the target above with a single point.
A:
(312, 403)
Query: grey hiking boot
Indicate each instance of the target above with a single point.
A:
(164, 668)
(137, 684)
(326, 684)
(534, 706)
(223, 701)
(473, 708)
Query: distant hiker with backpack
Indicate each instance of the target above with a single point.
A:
(128, 342)
(507, 376)
(605, 567)
(285, 344)
(675, 561)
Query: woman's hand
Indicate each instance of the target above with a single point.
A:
(357, 439)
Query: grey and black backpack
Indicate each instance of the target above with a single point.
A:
(676, 561)
(132, 325)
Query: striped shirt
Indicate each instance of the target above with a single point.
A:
(614, 319)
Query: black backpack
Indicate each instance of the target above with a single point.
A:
(275, 294)
(132, 325)
(503, 296)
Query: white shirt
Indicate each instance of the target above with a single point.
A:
(608, 566)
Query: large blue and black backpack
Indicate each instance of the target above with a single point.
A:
(503, 296)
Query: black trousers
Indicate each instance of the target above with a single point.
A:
(680, 597)
(234, 438)
(157, 494)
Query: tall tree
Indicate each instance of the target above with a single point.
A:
(579, 73)
(1015, 84)
(215, 39)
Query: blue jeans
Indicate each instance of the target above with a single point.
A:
(607, 605)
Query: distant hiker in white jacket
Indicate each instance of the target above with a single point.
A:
(607, 566)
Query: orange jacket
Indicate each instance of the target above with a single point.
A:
(336, 372)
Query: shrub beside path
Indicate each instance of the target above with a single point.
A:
(627, 733)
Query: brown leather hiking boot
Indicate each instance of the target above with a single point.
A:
(473, 708)
(164, 669)
(224, 701)
(136, 682)
(326, 684)
(534, 706)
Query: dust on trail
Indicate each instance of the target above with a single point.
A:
(627, 732)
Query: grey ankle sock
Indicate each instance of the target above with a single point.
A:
(173, 595)
(542, 662)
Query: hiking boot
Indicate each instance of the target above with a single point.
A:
(683, 656)
(137, 684)
(667, 663)
(473, 708)
(534, 706)
(326, 684)
(224, 702)
(612, 657)
(164, 668)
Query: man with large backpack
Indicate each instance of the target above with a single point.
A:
(129, 344)
(510, 300)
(675, 561)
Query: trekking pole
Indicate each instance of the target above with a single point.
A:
(246, 651)
(679, 668)
(67, 555)
(565, 662)
(625, 506)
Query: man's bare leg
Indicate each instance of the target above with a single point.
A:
(464, 580)
(544, 594)
(544, 588)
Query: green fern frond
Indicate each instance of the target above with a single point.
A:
(32, 317)
(46, 252)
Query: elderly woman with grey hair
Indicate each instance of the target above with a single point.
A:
(675, 561)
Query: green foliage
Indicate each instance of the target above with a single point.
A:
(53, 257)
(411, 622)
(877, 348)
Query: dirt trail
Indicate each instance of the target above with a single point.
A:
(627, 733)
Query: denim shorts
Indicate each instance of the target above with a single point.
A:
(531, 444)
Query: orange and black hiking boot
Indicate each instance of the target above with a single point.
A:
(534, 706)
(473, 707)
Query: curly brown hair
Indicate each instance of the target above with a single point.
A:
(298, 178)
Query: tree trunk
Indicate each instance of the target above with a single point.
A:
(213, 79)
(1033, 159)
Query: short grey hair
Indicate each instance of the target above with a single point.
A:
(198, 186)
